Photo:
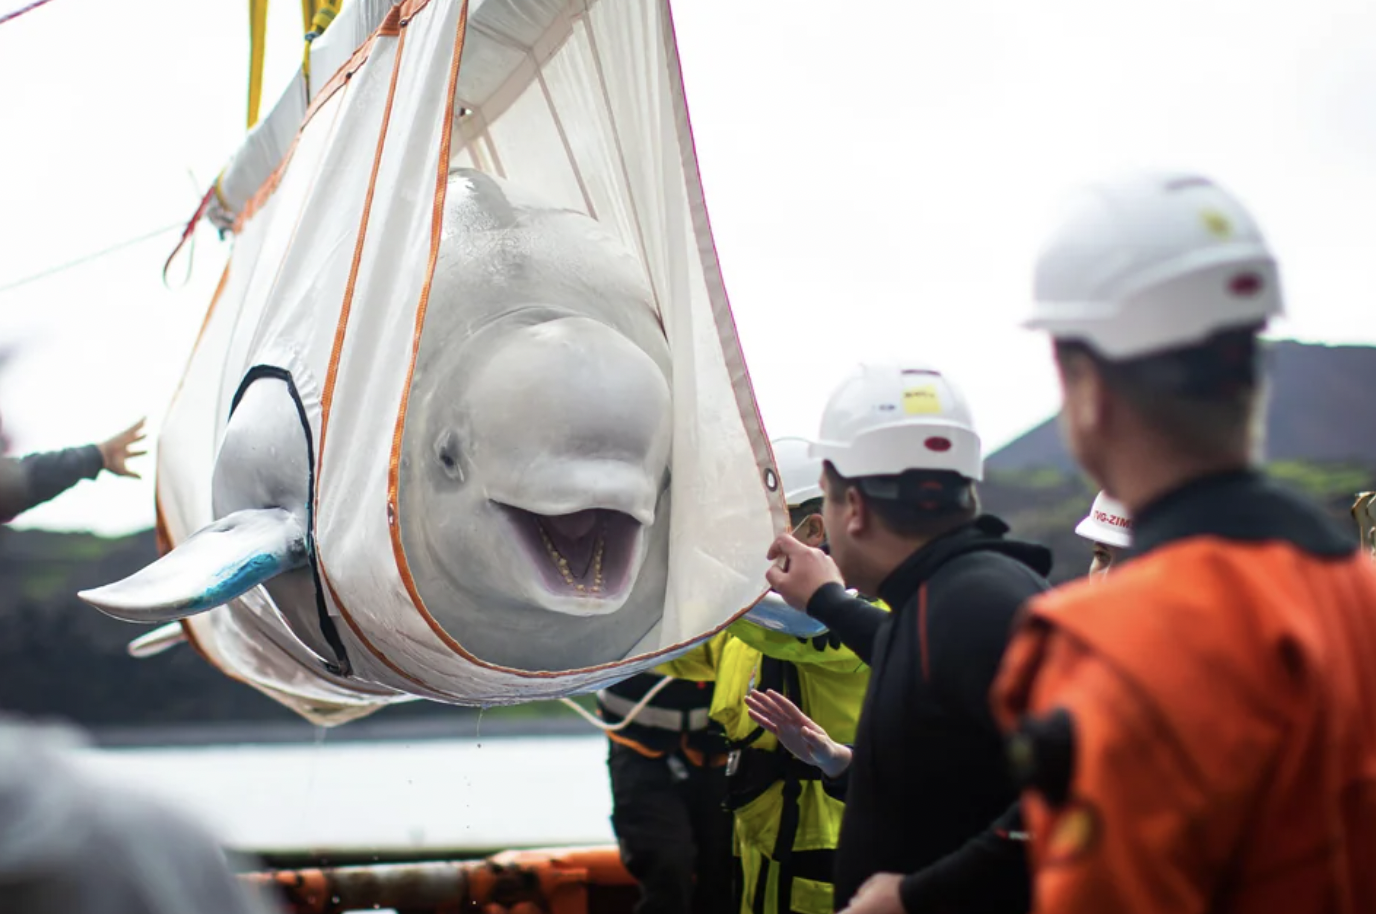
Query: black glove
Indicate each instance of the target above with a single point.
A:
(823, 641)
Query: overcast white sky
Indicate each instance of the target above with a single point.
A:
(876, 181)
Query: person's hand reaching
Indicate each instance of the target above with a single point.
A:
(118, 451)
(797, 732)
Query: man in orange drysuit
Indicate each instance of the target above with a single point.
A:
(1196, 731)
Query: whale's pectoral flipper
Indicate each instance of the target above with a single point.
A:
(215, 565)
(774, 614)
(162, 638)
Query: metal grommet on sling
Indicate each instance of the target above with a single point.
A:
(771, 479)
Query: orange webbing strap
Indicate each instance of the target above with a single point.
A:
(632, 744)
(700, 758)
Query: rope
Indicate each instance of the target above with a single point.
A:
(630, 715)
(22, 10)
(89, 257)
(189, 231)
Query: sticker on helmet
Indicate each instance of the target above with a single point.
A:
(1217, 223)
(921, 400)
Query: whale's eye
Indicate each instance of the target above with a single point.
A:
(447, 450)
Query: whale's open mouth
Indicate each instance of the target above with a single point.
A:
(587, 554)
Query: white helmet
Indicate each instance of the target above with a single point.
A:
(890, 417)
(1108, 523)
(799, 472)
(1151, 263)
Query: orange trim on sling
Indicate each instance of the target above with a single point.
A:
(358, 633)
(336, 352)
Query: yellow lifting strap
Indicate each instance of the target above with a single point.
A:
(307, 17)
(325, 11)
(316, 16)
(257, 44)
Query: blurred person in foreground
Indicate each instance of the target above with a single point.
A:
(71, 843)
(1209, 744)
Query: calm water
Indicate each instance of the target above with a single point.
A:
(480, 793)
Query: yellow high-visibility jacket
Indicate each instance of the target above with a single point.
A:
(773, 791)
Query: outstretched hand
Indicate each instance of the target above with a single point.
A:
(879, 895)
(802, 573)
(118, 451)
(797, 732)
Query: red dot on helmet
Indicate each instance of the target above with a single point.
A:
(937, 443)
(1245, 284)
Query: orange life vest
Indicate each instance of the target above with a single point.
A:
(1219, 693)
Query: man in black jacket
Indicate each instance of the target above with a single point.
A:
(26, 482)
(928, 792)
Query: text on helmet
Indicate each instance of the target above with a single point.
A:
(1112, 520)
(921, 400)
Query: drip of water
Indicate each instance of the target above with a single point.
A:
(478, 730)
(318, 748)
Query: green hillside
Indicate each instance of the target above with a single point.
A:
(1044, 505)
(60, 657)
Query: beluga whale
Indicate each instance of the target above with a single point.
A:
(535, 457)
(534, 462)
(468, 419)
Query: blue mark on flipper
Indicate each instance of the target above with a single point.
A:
(242, 577)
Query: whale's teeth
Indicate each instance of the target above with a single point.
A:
(562, 563)
(597, 560)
